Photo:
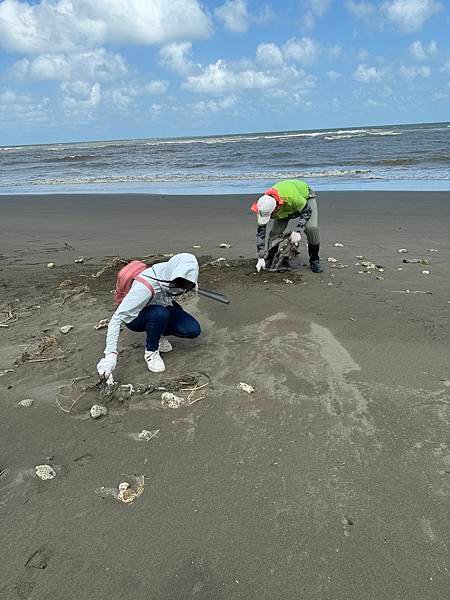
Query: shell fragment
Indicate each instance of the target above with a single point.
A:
(246, 387)
(65, 329)
(44, 472)
(98, 410)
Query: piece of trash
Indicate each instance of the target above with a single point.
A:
(102, 324)
(402, 250)
(79, 260)
(44, 472)
(171, 400)
(67, 283)
(146, 435)
(223, 245)
(65, 329)
(330, 259)
(26, 403)
(246, 388)
(422, 261)
(197, 247)
(339, 245)
(98, 410)
(127, 494)
(379, 278)
(433, 250)
(425, 272)
(50, 265)
(287, 280)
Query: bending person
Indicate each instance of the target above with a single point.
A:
(287, 200)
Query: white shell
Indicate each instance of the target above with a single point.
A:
(246, 387)
(339, 245)
(403, 250)
(26, 403)
(50, 265)
(330, 259)
(65, 329)
(101, 324)
(98, 410)
(44, 472)
(223, 245)
(425, 272)
(171, 400)
(79, 260)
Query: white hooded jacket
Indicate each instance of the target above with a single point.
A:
(181, 265)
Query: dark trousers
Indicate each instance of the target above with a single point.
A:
(164, 320)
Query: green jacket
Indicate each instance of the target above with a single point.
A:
(294, 194)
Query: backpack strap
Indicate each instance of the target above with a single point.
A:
(146, 283)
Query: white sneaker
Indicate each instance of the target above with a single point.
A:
(165, 345)
(154, 362)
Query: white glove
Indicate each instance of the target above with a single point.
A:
(295, 238)
(261, 264)
(107, 364)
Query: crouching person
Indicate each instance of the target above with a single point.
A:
(146, 298)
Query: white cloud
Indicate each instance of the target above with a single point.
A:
(93, 65)
(362, 55)
(314, 9)
(176, 57)
(367, 74)
(334, 52)
(332, 75)
(446, 67)
(23, 109)
(421, 52)
(414, 72)
(234, 15)
(223, 104)
(304, 50)
(269, 55)
(79, 96)
(219, 78)
(365, 11)
(409, 15)
(64, 25)
(156, 87)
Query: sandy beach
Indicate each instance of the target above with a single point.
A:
(330, 481)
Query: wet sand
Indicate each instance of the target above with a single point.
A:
(329, 482)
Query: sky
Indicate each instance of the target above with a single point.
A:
(78, 70)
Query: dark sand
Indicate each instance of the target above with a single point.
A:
(331, 481)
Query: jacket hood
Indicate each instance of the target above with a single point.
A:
(181, 265)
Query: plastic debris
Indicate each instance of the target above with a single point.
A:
(379, 278)
(65, 329)
(246, 387)
(171, 400)
(402, 250)
(223, 245)
(98, 410)
(197, 247)
(79, 260)
(330, 259)
(102, 324)
(339, 245)
(44, 472)
(127, 494)
(146, 435)
(287, 280)
(50, 265)
(26, 403)
(425, 272)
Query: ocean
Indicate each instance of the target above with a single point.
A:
(400, 157)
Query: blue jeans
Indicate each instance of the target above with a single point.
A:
(164, 320)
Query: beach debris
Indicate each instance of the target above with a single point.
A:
(80, 259)
(339, 245)
(50, 265)
(368, 264)
(44, 472)
(329, 284)
(399, 269)
(331, 259)
(433, 250)
(380, 269)
(402, 251)
(127, 494)
(146, 435)
(422, 261)
(352, 319)
(26, 403)
(114, 263)
(102, 324)
(411, 292)
(10, 318)
(245, 387)
(196, 247)
(65, 329)
(169, 255)
(67, 283)
(217, 261)
(359, 257)
(379, 278)
(287, 280)
(171, 400)
(6, 371)
(339, 266)
(426, 272)
(98, 410)
(224, 245)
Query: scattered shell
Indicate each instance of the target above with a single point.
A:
(168, 255)
(338, 266)
(26, 403)
(79, 260)
(197, 247)
(339, 245)
(330, 259)
(44, 472)
(329, 284)
(399, 269)
(50, 265)
(368, 264)
(65, 284)
(146, 435)
(402, 250)
(359, 257)
(432, 250)
(65, 329)
(98, 410)
(223, 245)
(246, 388)
(102, 324)
(171, 401)
(425, 272)
(127, 494)
(288, 280)
(379, 278)
(380, 269)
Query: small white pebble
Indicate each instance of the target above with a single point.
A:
(425, 272)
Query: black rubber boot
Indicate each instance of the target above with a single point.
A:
(314, 261)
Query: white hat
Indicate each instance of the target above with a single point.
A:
(265, 205)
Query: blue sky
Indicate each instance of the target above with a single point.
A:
(74, 70)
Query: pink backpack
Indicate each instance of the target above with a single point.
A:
(125, 278)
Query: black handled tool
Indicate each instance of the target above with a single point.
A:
(213, 295)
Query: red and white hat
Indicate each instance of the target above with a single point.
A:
(265, 207)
